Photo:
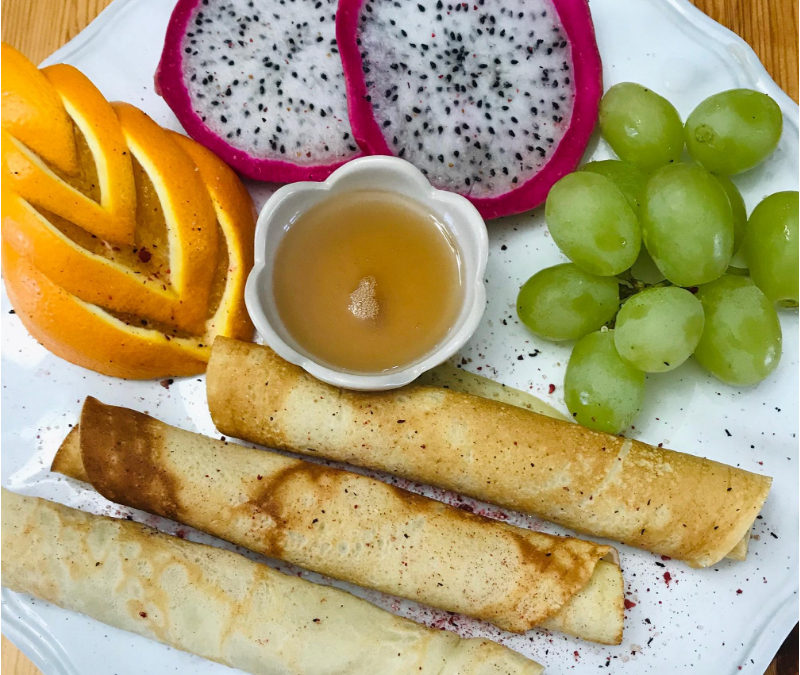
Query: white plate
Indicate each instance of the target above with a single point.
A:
(726, 620)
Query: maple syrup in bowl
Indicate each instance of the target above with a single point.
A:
(370, 278)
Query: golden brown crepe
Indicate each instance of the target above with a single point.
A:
(348, 526)
(664, 501)
(219, 604)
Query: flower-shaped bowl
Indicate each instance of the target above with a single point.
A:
(459, 218)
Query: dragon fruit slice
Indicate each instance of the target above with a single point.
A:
(494, 99)
(259, 83)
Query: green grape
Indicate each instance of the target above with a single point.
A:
(741, 341)
(771, 245)
(626, 176)
(687, 225)
(733, 131)
(565, 303)
(602, 391)
(658, 328)
(591, 222)
(644, 269)
(738, 211)
(641, 126)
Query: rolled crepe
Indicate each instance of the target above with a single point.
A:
(348, 526)
(219, 604)
(664, 501)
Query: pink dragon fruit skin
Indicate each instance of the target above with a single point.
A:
(586, 82)
(171, 84)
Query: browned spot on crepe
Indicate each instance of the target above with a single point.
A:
(269, 498)
(121, 452)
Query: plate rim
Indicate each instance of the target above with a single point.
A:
(23, 628)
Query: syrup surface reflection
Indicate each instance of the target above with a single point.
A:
(367, 281)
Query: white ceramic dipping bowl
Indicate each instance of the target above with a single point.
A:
(460, 218)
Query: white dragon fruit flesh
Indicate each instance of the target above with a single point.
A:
(494, 99)
(260, 83)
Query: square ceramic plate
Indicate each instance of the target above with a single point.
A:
(725, 620)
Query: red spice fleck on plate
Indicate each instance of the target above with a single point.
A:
(667, 578)
(551, 388)
(629, 604)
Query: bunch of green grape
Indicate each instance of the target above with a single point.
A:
(665, 263)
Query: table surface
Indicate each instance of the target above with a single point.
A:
(39, 27)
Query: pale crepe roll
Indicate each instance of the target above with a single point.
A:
(660, 500)
(348, 526)
(452, 377)
(219, 604)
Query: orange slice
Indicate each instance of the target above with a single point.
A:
(84, 335)
(33, 113)
(236, 216)
(134, 262)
